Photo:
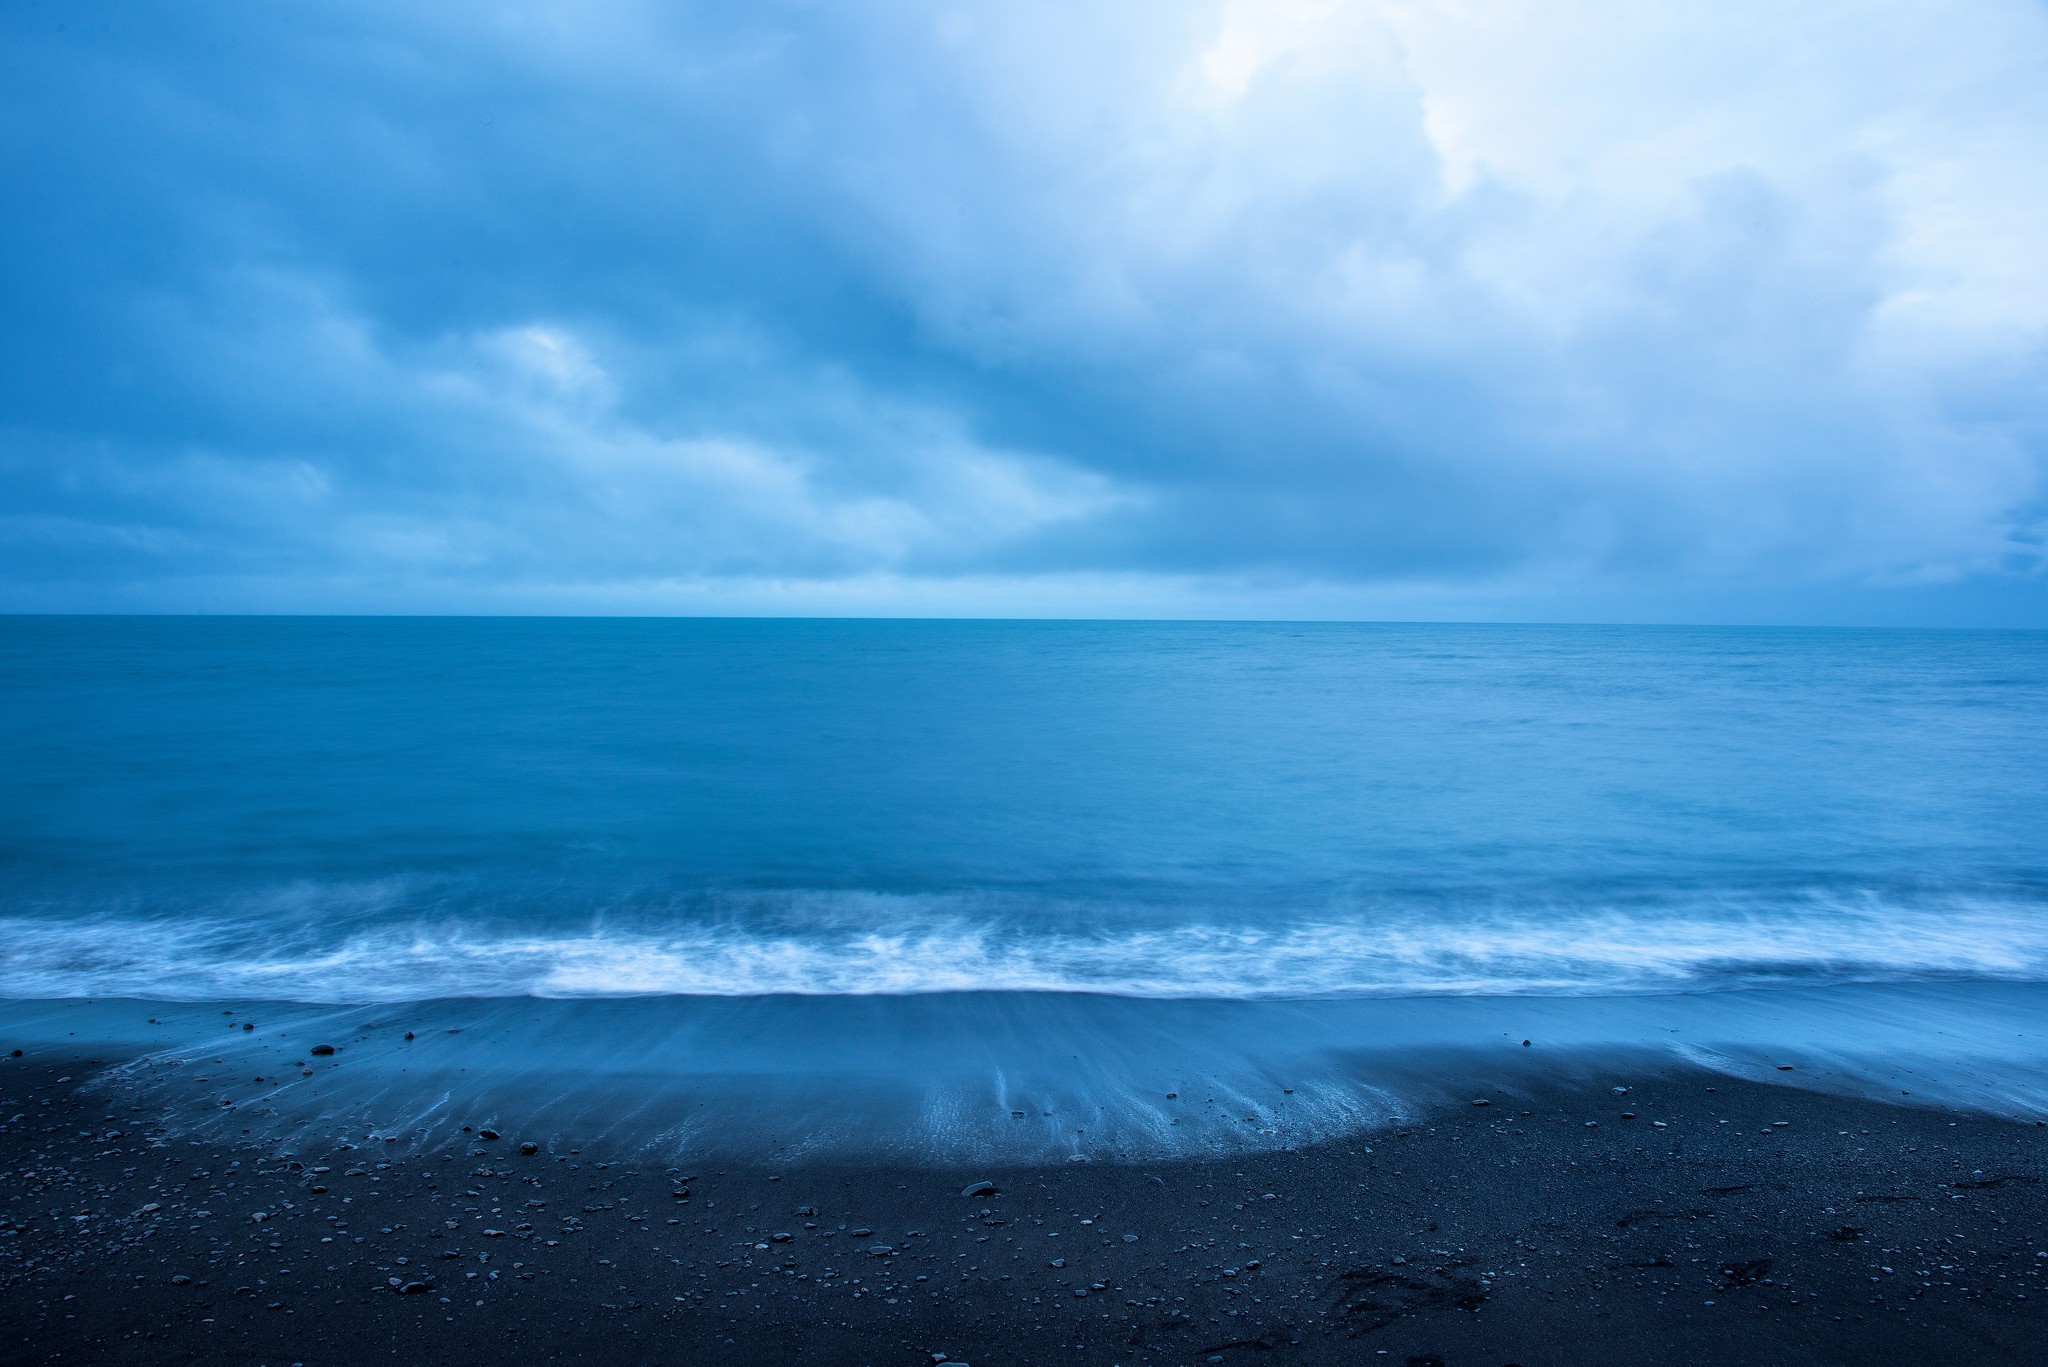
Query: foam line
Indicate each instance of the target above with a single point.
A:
(909, 946)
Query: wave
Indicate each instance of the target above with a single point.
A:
(932, 946)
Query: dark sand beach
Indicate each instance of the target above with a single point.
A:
(1692, 1218)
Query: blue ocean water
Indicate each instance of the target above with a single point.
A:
(389, 810)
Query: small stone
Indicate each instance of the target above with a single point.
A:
(781, 1238)
(1057, 1262)
(408, 1034)
(529, 1148)
(1130, 1238)
(321, 1050)
(486, 1134)
(1592, 1124)
(862, 1233)
(983, 1188)
(1481, 1101)
(1628, 1115)
(181, 1280)
(1784, 1067)
(1525, 1044)
(415, 1289)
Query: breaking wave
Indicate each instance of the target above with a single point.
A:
(846, 944)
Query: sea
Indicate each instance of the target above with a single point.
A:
(962, 888)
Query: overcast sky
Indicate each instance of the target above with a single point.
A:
(1578, 309)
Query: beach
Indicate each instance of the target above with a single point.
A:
(1633, 1211)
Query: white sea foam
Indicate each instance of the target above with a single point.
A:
(938, 947)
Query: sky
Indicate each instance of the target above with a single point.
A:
(1469, 309)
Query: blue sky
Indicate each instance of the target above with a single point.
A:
(1729, 312)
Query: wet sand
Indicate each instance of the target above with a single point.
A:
(1562, 1222)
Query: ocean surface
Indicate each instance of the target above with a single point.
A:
(353, 814)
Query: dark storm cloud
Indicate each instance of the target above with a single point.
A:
(381, 306)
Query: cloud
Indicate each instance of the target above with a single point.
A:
(1290, 306)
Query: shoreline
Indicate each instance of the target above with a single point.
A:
(973, 1079)
(1560, 1223)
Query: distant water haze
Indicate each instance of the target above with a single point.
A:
(1006, 821)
